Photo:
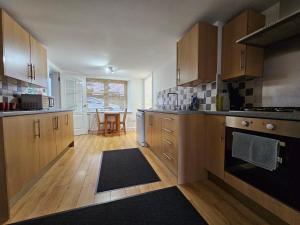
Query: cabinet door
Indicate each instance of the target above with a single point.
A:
(148, 128)
(16, 49)
(59, 125)
(239, 59)
(39, 62)
(46, 143)
(215, 144)
(233, 55)
(21, 152)
(156, 134)
(70, 128)
(187, 56)
(67, 129)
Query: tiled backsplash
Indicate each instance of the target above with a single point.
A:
(10, 88)
(250, 90)
(205, 92)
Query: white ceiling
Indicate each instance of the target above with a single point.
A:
(136, 36)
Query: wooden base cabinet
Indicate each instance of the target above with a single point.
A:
(46, 143)
(177, 140)
(31, 143)
(215, 144)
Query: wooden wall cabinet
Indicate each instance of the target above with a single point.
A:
(31, 143)
(215, 144)
(16, 49)
(240, 60)
(39, 62)
(24, 57)
(197, 55)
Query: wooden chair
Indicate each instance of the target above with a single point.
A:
(99, 123)
(123, 123)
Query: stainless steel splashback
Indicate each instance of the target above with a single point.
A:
(281, 80)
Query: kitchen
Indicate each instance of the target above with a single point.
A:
(207, 121)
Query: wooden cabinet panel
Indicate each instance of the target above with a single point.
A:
(16, 49)
(67, 129)
(148, 128)
(239, 59)
(21, 152)
(4, 208)
(46, 143)
(70, 129)
(215, 144)
(188, 56)
(59, 132)
(197, 55)
(39, 62)
(156, 133)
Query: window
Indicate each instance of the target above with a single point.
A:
(148, 92)
(106, 95)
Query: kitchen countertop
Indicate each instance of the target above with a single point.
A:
(33, 112)
(294, 116)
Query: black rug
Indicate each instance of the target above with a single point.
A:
(163, 207)
(124, 168)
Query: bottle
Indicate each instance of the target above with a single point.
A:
(225, 101)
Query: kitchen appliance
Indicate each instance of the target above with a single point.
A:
(283, 183)
(140, 128)
(36, 102)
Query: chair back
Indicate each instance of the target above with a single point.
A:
(124, 116)
(98, 116)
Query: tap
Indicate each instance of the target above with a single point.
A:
(174, 93)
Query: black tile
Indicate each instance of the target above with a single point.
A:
(208, 93)
(249, 92)
(208, 107)
(203, 87)
(242, 85)
(214, 85)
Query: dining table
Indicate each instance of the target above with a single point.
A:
(112, 116)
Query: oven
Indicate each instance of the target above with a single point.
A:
(282, 183)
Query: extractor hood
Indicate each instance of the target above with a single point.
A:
(284, 28)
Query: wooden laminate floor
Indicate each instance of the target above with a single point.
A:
(72, 182)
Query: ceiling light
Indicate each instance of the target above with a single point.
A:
(110, 69)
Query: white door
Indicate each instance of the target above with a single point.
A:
(74, 97)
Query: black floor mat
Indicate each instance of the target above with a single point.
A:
(124, 168)
(163, 207)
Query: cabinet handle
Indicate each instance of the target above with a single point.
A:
(168, 118)
(57, 123)
(167, 141)
(38, 134)
(178, 76)
(67, 119)
(167, 130)
(166, 155)
(29, 70)
(33, 68)
(242, 60)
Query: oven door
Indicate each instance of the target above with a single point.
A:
(281, 183)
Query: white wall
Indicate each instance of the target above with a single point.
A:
(135, 100)
(164, 76)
